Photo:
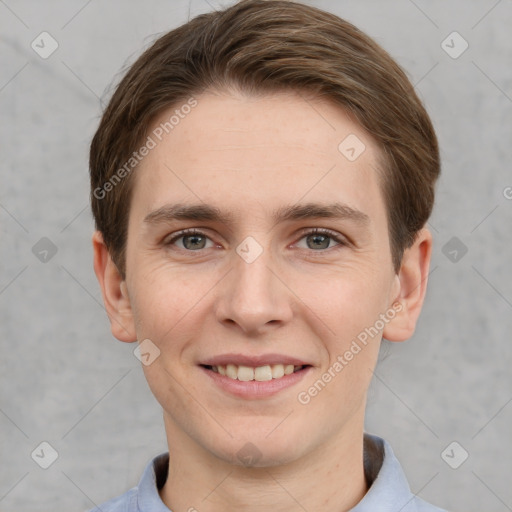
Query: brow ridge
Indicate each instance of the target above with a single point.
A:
(208, 212)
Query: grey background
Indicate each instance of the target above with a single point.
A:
(67, 381)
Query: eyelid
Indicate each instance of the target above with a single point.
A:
(325, 231)
(172, 237)
(340, 239)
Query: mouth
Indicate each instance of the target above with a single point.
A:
(255, 376)
(262, 373)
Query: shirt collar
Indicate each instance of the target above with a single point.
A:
(388, 492)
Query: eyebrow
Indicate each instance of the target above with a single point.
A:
(207, 212)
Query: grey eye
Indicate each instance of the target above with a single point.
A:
(319, 241)
(194, 241)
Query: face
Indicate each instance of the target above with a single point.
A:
(251, 284)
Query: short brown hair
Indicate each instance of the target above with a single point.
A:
(266, 46)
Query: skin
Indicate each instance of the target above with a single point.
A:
(249, 156)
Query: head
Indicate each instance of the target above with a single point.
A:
(271, 118)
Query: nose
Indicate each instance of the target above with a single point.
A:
(254, 296)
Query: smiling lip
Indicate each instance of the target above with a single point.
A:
(254, 389)
(253, 361)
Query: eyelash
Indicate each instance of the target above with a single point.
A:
(315, 231)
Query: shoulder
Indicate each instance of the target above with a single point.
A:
(389, 488)
(126, 502)
(423, 506)
(143, 496)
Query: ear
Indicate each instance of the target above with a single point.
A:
(114, 291)
(412, 285)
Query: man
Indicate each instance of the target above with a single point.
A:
(261, 180)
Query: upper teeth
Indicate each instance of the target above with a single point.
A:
(261, 373)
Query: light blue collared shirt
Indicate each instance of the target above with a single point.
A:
(388, 492)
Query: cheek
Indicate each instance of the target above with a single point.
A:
(164, 313)
(350, 306)
(161, 295)
(348, 299)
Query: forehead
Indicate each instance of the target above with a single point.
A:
(257, 154)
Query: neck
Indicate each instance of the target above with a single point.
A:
(330, 478)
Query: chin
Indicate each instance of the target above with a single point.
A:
(259, 451)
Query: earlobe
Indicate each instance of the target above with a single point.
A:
(114, 292)
(413, 277)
